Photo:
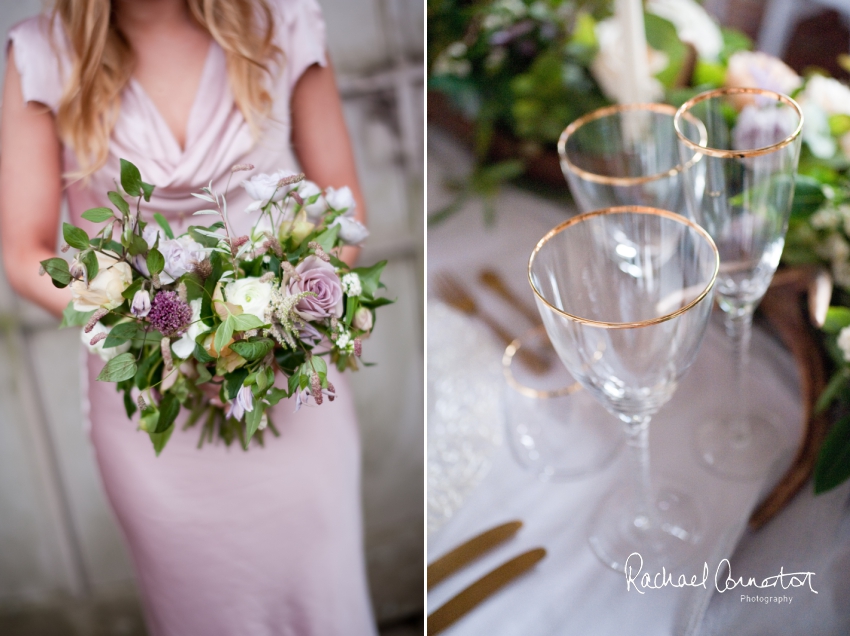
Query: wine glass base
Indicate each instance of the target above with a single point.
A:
(667, 542)
(733, 452)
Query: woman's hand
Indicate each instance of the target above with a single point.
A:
(320, 138)
(30, 193)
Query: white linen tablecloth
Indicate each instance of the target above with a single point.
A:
(570, 591)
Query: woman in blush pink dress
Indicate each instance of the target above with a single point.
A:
(224, 542)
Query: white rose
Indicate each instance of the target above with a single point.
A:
(844, 342)
(754, 69)
(316, 209)
(351, 231)
(362, 319)
(830, 95)
(263, 188)
(105, 354)
(341, 199)
(184, 347)
(693, 25)
(250, 294)
(105, 289)
(608, 67)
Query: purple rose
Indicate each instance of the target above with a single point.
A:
(320, 278)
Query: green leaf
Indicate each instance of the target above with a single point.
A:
(121, 333)
(147, 191)
(662, 36)
(57, 269)
(129, 403)
(244, 322)
(169, 409)
(161, 439)
(75, 237)
(319, 365)
(147, 369)
(135, 286)
(836, 383)
(223, 334)
(204, 375)
(138, 245)
(253, 349)
(233, 382)
(833, 465)
(98, 215)
(328, 238)
(838, 125)
(155, 261)
(808, 196)
(201, 354)
(119, 201)
(108, 245)
(370, 277)
(252, 422)
(163, 223)
(374, 303)
(276, 395)
(131, 179)
(90, 261)
(121, 367)
(73, 318)
(836, 319)
(709, 73)
(351, 303)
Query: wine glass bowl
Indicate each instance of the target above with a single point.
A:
(628, 331)
(739, 184)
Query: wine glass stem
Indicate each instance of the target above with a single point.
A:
(637, 439)
(739, 328)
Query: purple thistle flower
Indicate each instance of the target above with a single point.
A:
(169, 314)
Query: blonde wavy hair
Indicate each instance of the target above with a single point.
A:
(103, 64)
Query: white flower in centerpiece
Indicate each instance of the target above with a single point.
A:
(351, 231)
(180, 254)
(185, 346)
(608, 67)
(844, 343)
(351, 284)
(263, 188)
(362, 319)
(105, 289)
(251, 294)
(105, 354)
(341, 200)
(830, 95)
(344, 341)
(693, 25)
(816, 131)
(316, 209)
(754, 69)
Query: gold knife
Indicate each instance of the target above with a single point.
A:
(483, 588)
(467, 552)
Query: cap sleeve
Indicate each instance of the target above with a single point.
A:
(302, 37)
(37, 61)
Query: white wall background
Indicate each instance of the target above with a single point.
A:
(58, 541)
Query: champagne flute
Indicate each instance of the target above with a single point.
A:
(741, 192)
(628, 331)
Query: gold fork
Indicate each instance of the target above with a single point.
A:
(453, 293)
(491, 279)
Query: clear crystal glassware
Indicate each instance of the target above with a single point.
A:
(555, 430)
(740, 186)
(624, 155)
(628, 331)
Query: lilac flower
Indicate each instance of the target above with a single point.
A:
(141, 305)
(181, 254)
(304, 397)
(169, 314)
(762, 127)
(244, 403)
(264, 188)
(320, 278)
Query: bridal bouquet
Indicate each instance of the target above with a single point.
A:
(206, 321)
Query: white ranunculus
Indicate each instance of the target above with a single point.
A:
(608, 67)
(263, 188)
(693, 25)
(844, 342)
(351, 231)
(830, 95)
(105, 354)
(250, 294)
(316, 209)
(105, 289)
(185, 346)
(754, 69)
(341, 199)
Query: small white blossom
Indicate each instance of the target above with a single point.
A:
(844, 343)
(344, 341)
(351, 284)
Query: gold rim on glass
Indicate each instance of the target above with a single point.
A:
(703, 148)
(527, 391)
(605, 111)
(634, 209)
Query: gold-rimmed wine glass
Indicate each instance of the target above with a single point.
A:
(628, 331)
(740, 186)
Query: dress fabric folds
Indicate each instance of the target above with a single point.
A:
(224, 542)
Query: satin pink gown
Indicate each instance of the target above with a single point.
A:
(224, 542)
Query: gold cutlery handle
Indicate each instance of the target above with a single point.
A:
(493, 280)
(535, 363)
(482, 589)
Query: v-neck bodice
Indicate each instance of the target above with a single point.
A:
(217, 135)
